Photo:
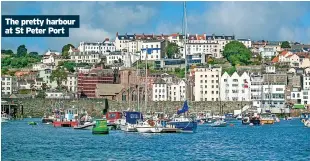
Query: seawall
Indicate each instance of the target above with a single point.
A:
(37, 107)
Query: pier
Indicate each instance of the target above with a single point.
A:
(13, 108)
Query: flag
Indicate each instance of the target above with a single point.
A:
(184, 109)
(245, 85)
(149, 51)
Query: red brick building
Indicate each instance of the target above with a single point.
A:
(87, 81)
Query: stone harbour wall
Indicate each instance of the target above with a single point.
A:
(37, 107)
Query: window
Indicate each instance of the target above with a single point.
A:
(279, 89)
(225, 80)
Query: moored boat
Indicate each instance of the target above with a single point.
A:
(219, 123)
(267, 119)
(66, 120)
(130, 121)
(185, 124)
(5, 117)
(32, 123)
(100, 127)
(149, 126)
(85, 126)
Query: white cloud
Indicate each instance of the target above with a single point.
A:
(260, 20)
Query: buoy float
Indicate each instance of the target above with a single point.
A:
(232, 125)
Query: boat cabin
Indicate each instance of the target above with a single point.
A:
(133, 117)
(71, 114)
(112, 117)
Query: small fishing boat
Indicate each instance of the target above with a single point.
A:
(307, 123)
(219, 123)
(275, 118)
(85, 126)
(267, 119)
(32, 123)
(5, 117)
(100, 127)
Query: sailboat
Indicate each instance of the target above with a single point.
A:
(185, 124)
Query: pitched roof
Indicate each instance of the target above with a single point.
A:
(275, 59)
(284, 53)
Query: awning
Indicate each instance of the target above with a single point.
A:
(299, 106)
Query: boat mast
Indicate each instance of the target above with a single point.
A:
(185, 49)
(146, 81)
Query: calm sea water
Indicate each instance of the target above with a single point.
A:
(287, 140)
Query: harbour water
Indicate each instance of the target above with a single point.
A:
(287, 140)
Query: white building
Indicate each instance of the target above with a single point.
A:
(46, 76)
(6, 84)
(154, 49)
(256, 89)
(306, 81)
(160, 90)
(207, 81)
(99, 47)
(71, 83)
(199, 48)
(246, 42)
(123, 56)
(85, 57)
(177, 90)
(235, 87)
(121, 43)
(268, 52)
(273, 96)
(301, 96)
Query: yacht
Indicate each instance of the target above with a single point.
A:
(149, 126)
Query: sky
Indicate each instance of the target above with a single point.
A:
(274, 21)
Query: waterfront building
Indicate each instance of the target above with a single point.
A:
(207, 81)
(87, 81)
(300, 96)
(256, 89)
(235, 87)
(154, 48)
(96, 47)
(306, 81)
(176, 90)
(160, 90)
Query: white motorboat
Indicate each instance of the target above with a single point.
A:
(219, 123)
(85, 126)
(5, 117)
(307, 123)
(149, 126)
(128, 127)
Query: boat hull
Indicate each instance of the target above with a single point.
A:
(128, 128)
(149, 130)
(267, 121)
(47, 120)
(185, 126)
(100, 131)
(65, 123)
(255, 122)
(85, 127)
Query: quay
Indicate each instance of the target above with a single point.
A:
(14, 108)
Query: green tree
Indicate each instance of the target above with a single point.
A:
(230, 71)
(7, 52)
(65, 51)
(171, 49)
(21, 51)
(33, 54)
(70, 66)
(237, 53)
(4, 71)
(59, 75)
(285, 44)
